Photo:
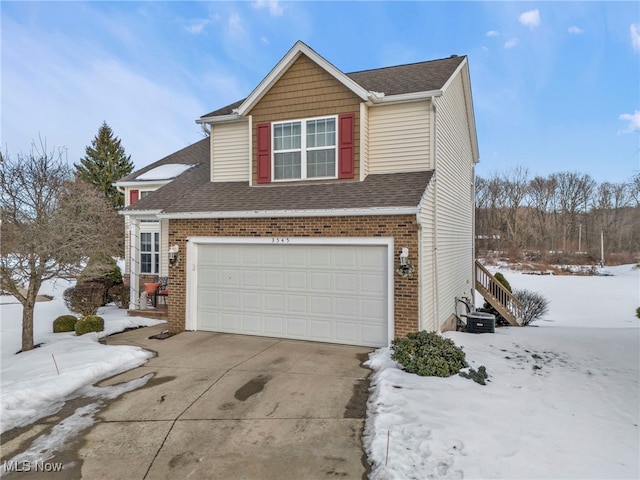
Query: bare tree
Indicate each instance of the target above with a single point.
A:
(516, 189)
(51, 224)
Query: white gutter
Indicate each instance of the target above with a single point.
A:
(378, 98)
(232, 117)
(139, 213)
(339, 212)
(143, 183)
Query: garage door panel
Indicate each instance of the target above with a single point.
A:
(296, 327)
(329, 293)
(274, 279)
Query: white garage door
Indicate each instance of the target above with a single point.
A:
(335, 293)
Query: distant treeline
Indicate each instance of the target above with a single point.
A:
(558, 218)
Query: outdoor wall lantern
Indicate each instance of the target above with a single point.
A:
(404, 268)
(173, 255)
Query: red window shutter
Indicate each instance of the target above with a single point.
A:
(263, 134)
(134, 195)
(345, 145)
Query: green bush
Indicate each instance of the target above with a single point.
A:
(64, 323)
(90, 323)
(84, 299)
(638, 312)
(119, 294)
(428, 354)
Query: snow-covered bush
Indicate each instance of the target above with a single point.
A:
(428, 354)
(65, 323)
(535, 305)
(90, 323)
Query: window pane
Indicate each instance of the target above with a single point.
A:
(321, 163)
(321, 133)
(157, 263)
(286, 136)
(287, 165)
(145, 263)
(145, 242)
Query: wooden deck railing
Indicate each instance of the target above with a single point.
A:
(498, 296)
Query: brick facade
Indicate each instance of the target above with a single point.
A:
(403, 228)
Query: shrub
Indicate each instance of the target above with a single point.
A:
(119, 294)
(638, 312)
(102, 270)
(90, 323)
(487, 307)
(428, 354)
(535, 305)
(478, 376)
(64, 323)
(84, 299)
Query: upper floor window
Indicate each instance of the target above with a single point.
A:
(311, 148)
(305, 149)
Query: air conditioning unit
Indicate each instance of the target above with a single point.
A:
(481, 322)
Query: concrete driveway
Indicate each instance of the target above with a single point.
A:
(223, 406)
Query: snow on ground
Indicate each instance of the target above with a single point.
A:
(562, 400)
(36, 383)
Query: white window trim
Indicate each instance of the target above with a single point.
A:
(152, 227)
(303, 149)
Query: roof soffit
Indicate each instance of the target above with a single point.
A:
(274, 75)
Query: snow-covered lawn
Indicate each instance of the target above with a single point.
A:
(36, 383)
(562, 399)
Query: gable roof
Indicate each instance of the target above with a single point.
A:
(422, 77)
(191, 155)
(376, 194)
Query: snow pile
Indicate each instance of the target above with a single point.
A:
(164, 172)
(36, 383)
(562, 400)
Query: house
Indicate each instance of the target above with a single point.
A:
(324, 206)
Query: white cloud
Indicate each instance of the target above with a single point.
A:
(512, 42)
(635, 36)
(235, 25)
(274, 7)
(196, 26)
(634, 122)
(575, 30)
(530, 19)
(493, 33)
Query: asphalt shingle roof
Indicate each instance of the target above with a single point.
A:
(376, 191)
(395, 80)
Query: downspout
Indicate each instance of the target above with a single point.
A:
(435, 217)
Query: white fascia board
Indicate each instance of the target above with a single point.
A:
(405, 97)
(340, 212)
(232, 117)
(140, 213)
(454, 74)
(143, 183)
(298, 49)
(293, 240)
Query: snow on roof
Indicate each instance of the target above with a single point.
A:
(164, 172)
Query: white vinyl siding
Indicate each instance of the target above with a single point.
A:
(454, 202)
(364, 141)
(428, 287)
(164, 247)
(398, 138)
(229, 152)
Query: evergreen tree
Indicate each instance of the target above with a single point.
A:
(104, 163)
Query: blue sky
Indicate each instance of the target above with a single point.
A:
(556, 85)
